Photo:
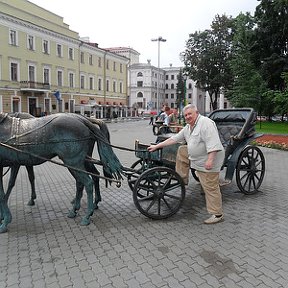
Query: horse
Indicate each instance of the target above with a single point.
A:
(30, 170)
(69, 136)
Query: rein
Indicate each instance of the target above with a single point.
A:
(118, 183)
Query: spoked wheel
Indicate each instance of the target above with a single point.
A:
(139, 167)
(164, 192)
(250, 170)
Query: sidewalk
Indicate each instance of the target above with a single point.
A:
(123, 248)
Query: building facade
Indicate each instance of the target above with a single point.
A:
(144, 88)
(47, 68)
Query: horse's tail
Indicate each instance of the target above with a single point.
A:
(104, 128)
(111, 165)
(102, 125)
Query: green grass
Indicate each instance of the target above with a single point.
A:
(272, 127)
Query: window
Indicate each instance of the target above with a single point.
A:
(60, 78)
(91, 83)
(82, 57)
(167, 77)
(114, 86)
(59, 50)
(90, 59)
(107, 85)
(121, 87)
(31, 42)
(172, 77)
(172, 86)
(140, 95)
(190, 86)
(107, 64)
(166, 86)
(70, 54)
(172, 95)
(71, 80)
(114, 66)
(139, 83)
(99, 62)
(82, 82)
(121, 68)
(46, 48)
(13, 38)
(46, 75)
(99, 84)
(31, 73)
(14, 71)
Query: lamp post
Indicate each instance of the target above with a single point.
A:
(159, 39)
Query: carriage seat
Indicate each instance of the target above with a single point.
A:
(228, 132)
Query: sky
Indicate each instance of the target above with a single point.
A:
(132, 23)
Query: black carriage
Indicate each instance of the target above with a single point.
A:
(159, 191)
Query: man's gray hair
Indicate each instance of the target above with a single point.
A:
(190, 106)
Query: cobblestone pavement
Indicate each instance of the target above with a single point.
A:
(123, 248)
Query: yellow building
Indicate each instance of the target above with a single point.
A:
(47, 68)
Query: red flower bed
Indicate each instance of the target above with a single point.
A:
(273, 141)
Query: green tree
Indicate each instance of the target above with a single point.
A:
(279, 98)
(206, 57)
(180, 88)
(271, 41)
(247, 86)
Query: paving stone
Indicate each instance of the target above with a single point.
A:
(123, 248)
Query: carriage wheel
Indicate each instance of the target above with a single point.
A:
(250, 170)
(164, 192)
(139, 167)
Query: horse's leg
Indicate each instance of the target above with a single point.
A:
(5, 213)
(13, 175)
(90, 167)
(31, 177)
(77, 200)
(84, 179)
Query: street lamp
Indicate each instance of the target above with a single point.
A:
(159, 39)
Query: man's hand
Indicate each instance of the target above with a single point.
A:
(210, 160)
(152, 148)
(209, 164)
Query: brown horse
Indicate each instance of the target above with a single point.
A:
(69, 136)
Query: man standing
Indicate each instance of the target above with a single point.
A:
(206, 155)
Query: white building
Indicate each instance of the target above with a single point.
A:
(143, 86)
(193, 94)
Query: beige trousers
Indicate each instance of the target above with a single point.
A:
(183, 163)
(210, 184)
(208, 180)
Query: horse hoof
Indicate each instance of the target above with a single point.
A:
(3, 228)
(31, 203)
(85, 221)
(72, 214)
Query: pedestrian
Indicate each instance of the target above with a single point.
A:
(151, 120)
(205, 154)
(166, 120)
